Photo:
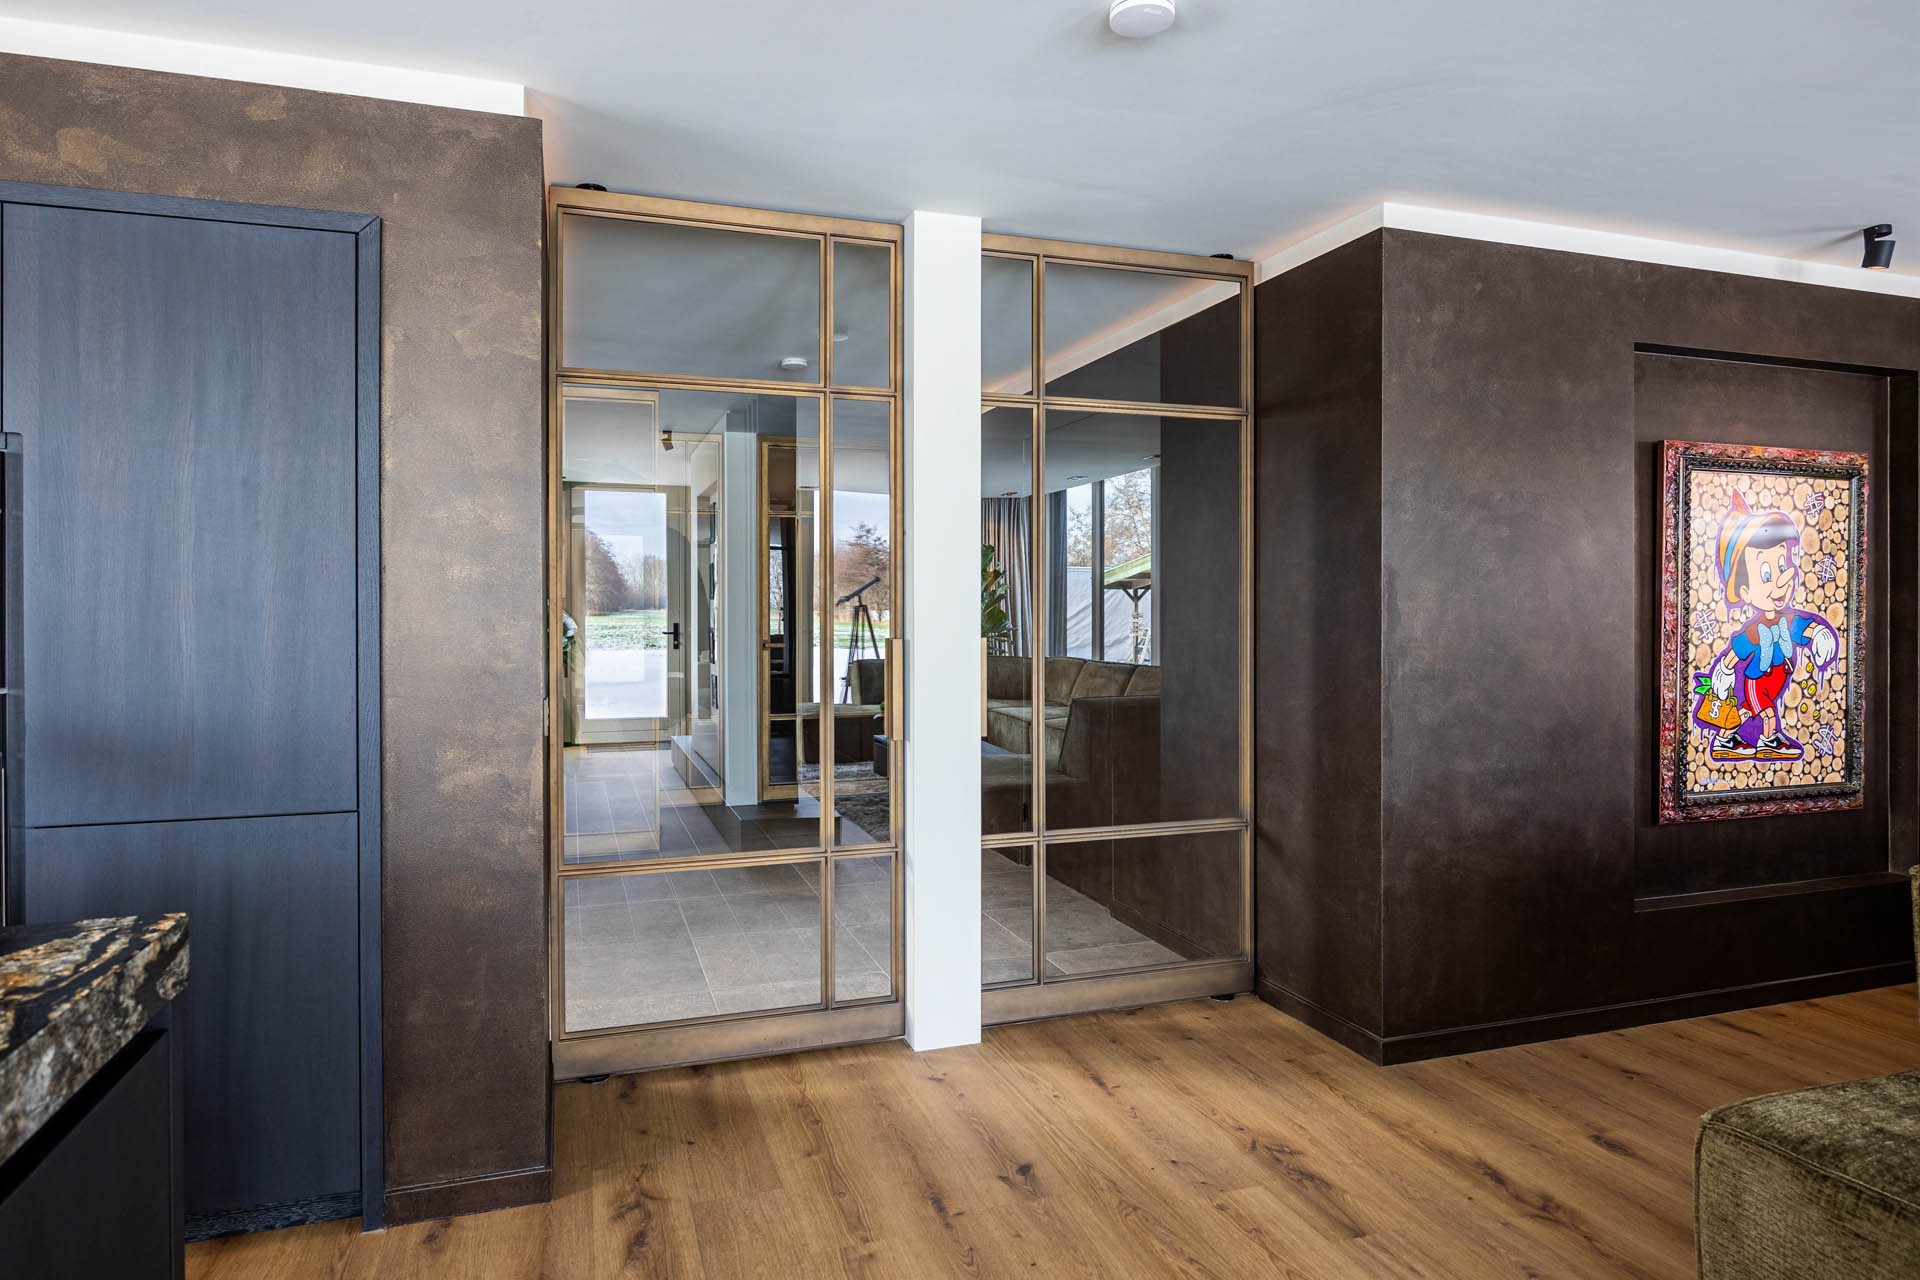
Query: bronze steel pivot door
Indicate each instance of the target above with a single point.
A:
(1116, 768)
(727, 883)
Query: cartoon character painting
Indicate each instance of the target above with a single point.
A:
(1758, 563)
(1763, 651)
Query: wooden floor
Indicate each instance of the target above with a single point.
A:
(1200, 1139)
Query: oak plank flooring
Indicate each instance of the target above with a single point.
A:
(1198, 1139)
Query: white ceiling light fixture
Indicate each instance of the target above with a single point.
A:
(1137, 19)
(794, 364)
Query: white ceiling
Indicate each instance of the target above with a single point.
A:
(1778, 126)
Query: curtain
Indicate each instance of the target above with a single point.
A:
(1006, 524)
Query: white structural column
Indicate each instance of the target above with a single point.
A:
(942, 573)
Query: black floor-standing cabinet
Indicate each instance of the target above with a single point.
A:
(190, 396)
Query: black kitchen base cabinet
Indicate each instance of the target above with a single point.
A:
(96, 1192)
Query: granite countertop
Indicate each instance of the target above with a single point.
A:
(72, 996)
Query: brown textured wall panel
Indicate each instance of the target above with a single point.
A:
(1316, 648)
(1515, 682)
(460, 196)
(1455, 845)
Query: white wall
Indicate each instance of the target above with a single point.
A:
(942, 564)
(740, 615)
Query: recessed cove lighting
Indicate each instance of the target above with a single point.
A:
(1136, 19)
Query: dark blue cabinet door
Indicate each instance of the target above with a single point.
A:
(269, 1016)
(184, 390)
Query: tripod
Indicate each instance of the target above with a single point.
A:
(864, 642)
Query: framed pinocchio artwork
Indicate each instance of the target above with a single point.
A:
(1763, 572)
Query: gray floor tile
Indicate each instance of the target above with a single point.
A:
(863, 903)
(767, 995)
(690, 884)
(734, 880)
(593, 1015)
(998, 940)
(594, 891)
(1118, 955)
(705, 916)
(656, 917)
(791, 952)
(777, 910)
(1006, 969)
(862, 871)
(730, 960)
(1018, 923)
(600, 926)
(863, 985)
(648, 888)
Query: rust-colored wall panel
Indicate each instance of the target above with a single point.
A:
(460, 195)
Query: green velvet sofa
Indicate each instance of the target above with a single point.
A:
(1815, 1184)
(1100, 723)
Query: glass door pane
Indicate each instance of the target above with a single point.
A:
(691, 705)
(1143, 671)
(727, 606)
(624, 643)
(1010, 729)
(1143, 902)
(862, 603)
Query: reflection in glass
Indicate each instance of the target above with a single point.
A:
(656, 297)
(862, 314)
(1143, 631)
(691, 634)
(863, 928)
(862, 601)
(1006, 620)
(1006, 915)
(1144, 336)
(790, 641)
(662, 946)
(1136, 903)
(1006, 326)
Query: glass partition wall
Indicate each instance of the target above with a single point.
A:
(1115, 574)
(725, 446)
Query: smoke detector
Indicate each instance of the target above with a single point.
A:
(793, 364)
(1139, 18)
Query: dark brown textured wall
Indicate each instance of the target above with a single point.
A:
(1520, 893)
(460, 196)
(1316, 628)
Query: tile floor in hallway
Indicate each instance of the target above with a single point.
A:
(630, 802)
(1082, 936)
(681, 944)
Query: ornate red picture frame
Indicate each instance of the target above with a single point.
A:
(1763, 647)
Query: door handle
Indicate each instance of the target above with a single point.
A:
(674, 632)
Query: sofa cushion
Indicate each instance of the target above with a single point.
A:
(1061, 674)
(1145, 682)
(1821, 1182)
(1007, 678)
(1010, 728)
(1102, 680)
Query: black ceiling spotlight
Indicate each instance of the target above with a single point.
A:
(588, 186)
(1879, 255)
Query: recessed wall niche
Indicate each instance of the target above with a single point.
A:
(1732, 398)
